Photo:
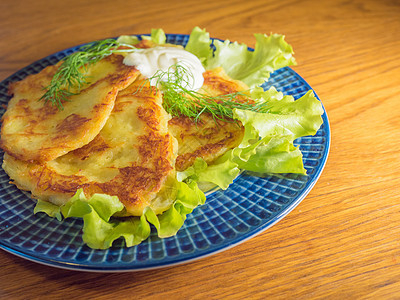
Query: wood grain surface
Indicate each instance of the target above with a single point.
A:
(343, 240)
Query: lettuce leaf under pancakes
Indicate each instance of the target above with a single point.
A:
(100, 229)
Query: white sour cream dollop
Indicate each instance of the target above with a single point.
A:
(149, 61)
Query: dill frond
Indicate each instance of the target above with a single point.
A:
(71, 73)
(179, 99)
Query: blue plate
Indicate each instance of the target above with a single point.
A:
(249, 206)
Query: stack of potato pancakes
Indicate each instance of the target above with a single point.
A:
(111, 137)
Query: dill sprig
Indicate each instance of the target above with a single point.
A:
(179, 99)
(71, 73)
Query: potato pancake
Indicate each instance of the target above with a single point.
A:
(207, 138)
(36, 131)
(132, 157)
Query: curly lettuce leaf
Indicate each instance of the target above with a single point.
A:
(128, 39)
(270, 155)
(157, 36)
(100, 229)
(188, 198)
(48, 208)
(252, 67)
(221, 173)
(268, 143)
(286, 116)
(133, 230)
(199, 44)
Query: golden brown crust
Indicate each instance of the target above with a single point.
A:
(98, 144)
(218, 83)
(36, 131)
(207, 138)
(131, 185)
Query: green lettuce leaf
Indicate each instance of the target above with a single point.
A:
(267, 146)
(252, 67)
(48, 208)
(96, 213)
(270, 155)
(286, 116)
(77, 206)
(188, 198)
(157, 36)
(100, 229)
(128, 39)
(199, 44)
(222, 173)
(134, 230)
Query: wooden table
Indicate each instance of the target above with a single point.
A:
(343, 240)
